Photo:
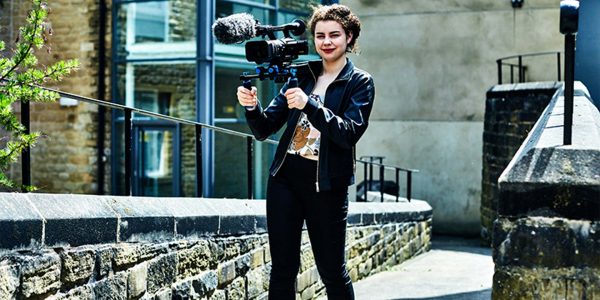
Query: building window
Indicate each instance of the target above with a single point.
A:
(150, 21)
(156, 67)
(154, 100)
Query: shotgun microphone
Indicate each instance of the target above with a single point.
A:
(235, 28)
(240, 27)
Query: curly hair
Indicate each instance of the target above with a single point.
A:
(342, 15)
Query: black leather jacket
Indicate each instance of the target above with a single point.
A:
(342, 120)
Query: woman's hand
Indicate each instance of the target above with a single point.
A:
(296, 98)
(246, 97)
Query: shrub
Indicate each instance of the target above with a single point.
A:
(21, 80)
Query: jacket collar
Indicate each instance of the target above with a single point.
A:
(316, 66)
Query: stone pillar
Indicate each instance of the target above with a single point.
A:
(510, 112)
(547, 236)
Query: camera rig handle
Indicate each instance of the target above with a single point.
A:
(292, 82)
(248, 85)
(274, 72)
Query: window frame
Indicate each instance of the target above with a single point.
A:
(203, 52)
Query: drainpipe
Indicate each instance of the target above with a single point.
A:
(101, 95)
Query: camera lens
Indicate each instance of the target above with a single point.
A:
(257, 51)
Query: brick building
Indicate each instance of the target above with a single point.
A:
(152, 59)
(65, 158)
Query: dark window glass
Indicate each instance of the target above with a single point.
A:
(230, 151)
(164, 154)
(154, 155)
(156, 29)
(151, 21)
(154, 101)
(299, 6)
(161, 87)
(225, 8)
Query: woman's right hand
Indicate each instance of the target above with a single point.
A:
(246, 97)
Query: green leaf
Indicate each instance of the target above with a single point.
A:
(9, 121)
(5, 181)
(4, 64)
(29, 188)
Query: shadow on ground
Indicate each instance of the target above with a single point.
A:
(459, 244)
(475, 295)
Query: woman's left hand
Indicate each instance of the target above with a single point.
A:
(296, 98)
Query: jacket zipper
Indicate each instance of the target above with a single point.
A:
(319, 159)
(319, 151)
(288, 146)
(353, 160)
(317, 182)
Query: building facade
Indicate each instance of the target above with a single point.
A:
(432, 62)
(165, 60)
(158, 56)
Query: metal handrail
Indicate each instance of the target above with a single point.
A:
(368, 177)
(155, 115)
(521, 68)
(128, 128)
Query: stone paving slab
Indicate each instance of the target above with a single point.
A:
(455, 268)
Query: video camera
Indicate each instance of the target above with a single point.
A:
(278, 53)
(273, 56)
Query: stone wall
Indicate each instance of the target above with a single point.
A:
(546, 258)
(92, 247)
(547, 236)
(510, 112)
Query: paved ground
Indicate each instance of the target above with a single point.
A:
(454, 268)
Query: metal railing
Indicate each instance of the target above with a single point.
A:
(128, 133)
(521, 68)
(372, 161)
(569, 24)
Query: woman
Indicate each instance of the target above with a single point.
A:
(314, 163)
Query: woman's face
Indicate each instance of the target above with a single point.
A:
(331, 40)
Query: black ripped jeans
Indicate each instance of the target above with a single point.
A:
(291, 200)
